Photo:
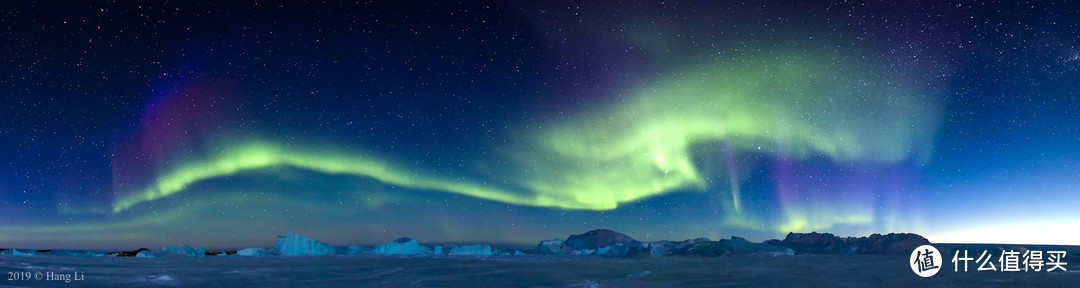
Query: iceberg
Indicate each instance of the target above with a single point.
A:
(254, 252)
(149, 254)
(827, 243)
(74, 253)
(405, 246)
(356, 249)
(18, 252)
(185, 250)
(299, 245)
(553, 247)
(131, 253)
(583, 252)
(736, 246)
(478, 249)
(603, 242)
(666, 247)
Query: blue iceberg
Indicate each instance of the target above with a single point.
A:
(478, 249)
(405, 246)
(299, 245)
(185, 250)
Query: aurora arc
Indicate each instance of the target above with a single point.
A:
(260, 154)
(791, 106)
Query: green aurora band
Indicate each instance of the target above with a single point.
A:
(264, 154)
(792, 106)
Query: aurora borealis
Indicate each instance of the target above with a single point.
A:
(221, 125)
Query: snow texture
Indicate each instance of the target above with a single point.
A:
(373, 270)
(164, 280)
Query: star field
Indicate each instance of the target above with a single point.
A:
(221, 124)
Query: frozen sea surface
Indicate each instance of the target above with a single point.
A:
(368, 270)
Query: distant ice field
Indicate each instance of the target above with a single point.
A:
(371, 270)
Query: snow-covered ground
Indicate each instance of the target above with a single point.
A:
(374, 270)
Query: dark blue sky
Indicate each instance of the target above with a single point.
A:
(221, 125)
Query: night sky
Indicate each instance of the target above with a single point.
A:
(223, 124)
